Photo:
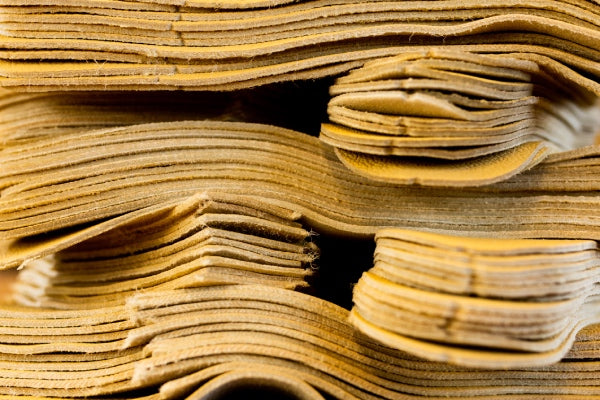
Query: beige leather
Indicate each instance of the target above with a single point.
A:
(150, 45)
(161, 203)
(204, 240)
(478, 302)
(399, 119)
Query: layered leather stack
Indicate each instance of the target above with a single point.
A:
(203, 45)
(498, 303)
(205, 240)
(104, 173)
(430, 117)
(201, 342)
(187, 187)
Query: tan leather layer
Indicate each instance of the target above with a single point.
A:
(249, 43)
(453, 118)
(106, 173)
(202, 241)
(102, 198)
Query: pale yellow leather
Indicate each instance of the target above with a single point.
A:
(478, 301)
(428, 172)
(156, 198)
(167, 47)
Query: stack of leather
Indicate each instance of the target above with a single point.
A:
(206, 240)
(477, 301)
(301, 343)
(200, 342)
(229, 45)
(104, 173)
(65, 354)
(428, 117)
(163, 193)
(255, 199)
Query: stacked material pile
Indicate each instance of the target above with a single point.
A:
(57, 181)
(234, 44)
(427, 117)
(163, 202)
(65, 353)
(477, 301)
(205, 240)
(303, 343)
(259, 202)
(201, 342)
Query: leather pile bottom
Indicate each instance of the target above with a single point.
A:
(201, 342)
(203, 45)
(480, 302)
(453, 118)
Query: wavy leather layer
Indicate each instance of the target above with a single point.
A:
(106, 173)
(212, 332)
(326, 352)
(452, 118)
(202, 241)
(164, 47)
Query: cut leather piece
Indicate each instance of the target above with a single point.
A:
(472, 172)
(507, 129)
(439, 155)
(15, 254)
(452, 148)
(408, 125)
(452, 82)
(449, 85)
(484, 245)
(396, 102)
(512, 325)
(441, 59)
(461, 356)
